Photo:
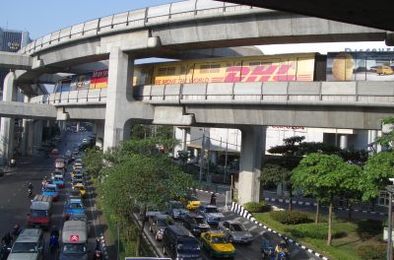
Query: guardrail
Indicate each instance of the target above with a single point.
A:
(362, 93)
(141, 18)
(315, 93)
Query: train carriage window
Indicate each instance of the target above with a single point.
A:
(166, 71)
(209, 68)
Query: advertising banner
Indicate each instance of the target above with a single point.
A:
(360, 66)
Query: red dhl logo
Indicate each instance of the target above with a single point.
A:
(260, 73)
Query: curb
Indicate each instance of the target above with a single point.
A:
(240, 210)
(305, 203)
(205, 191)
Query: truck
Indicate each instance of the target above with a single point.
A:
(40, 212)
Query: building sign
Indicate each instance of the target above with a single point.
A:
(388, 49)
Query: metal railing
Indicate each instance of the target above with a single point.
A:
(357, 93)
(141, 18)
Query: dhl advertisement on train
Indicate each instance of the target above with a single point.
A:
(247, 69)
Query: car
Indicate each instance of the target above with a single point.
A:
(211, 214)
(81, 189)
(191, 202)
(77, 179)
(176, 209)
(195, 223)
(384, 70)
(235, 232)
(28, 245)
(179, 243)
(74, 240)
(77, 166)
(85, 141)
(73, 207)
(51, 190)
(217, 245)
(58, 180)
(159, 224)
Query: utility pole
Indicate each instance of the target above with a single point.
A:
(225, 159)
(202, 154)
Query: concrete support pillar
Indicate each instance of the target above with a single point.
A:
(252, 151)
(99, 131)
(7, 124)
(30, 137)
(120, 73)
(37, 136)
(343, 141)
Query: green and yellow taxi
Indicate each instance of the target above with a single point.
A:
(191, 202)
(217, 245)
(81, 188)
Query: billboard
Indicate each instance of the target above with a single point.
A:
(360, 66)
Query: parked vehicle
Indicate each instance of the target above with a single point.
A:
(159, 224)
(195, 223)
(51, 190)
(176, 209)
(211, 214)
(217, 245)
(235, 232)
(73, 207)
(40, 212)
(28, 245)
(178, 243)
(74, 240)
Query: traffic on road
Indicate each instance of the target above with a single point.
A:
(57, 206)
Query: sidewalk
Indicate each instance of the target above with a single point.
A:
(359, 211)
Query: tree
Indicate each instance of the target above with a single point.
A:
(324, 177)
(376, 173)
(387, 139)
(141, 177)
(93, 161)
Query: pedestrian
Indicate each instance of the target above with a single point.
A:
(213, 199)
(7, 239)
(16, 231)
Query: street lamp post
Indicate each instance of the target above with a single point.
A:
(390, 190)
(202, 155)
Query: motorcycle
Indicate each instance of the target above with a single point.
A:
(12, 162)
(4, 251)
(53, 243)
(267, 250)
(29, 192)
(98, 255)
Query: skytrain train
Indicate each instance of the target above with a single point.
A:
(348, 66)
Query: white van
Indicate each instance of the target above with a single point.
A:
(28, 245)
(74, 240)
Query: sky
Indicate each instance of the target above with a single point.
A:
(41, 17)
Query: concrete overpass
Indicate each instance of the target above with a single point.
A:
(362, 12)
(168, 30)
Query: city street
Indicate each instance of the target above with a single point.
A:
(14, 201)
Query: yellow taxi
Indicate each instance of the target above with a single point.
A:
(81, 188)
(384, 70)
(217, 245)
(191, 202)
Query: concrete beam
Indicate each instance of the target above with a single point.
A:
(26, 110)
(10, 60)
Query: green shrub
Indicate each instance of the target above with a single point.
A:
(316, 231)
(369, 228)
(290, 217)
(372, 252)
(254, 207)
